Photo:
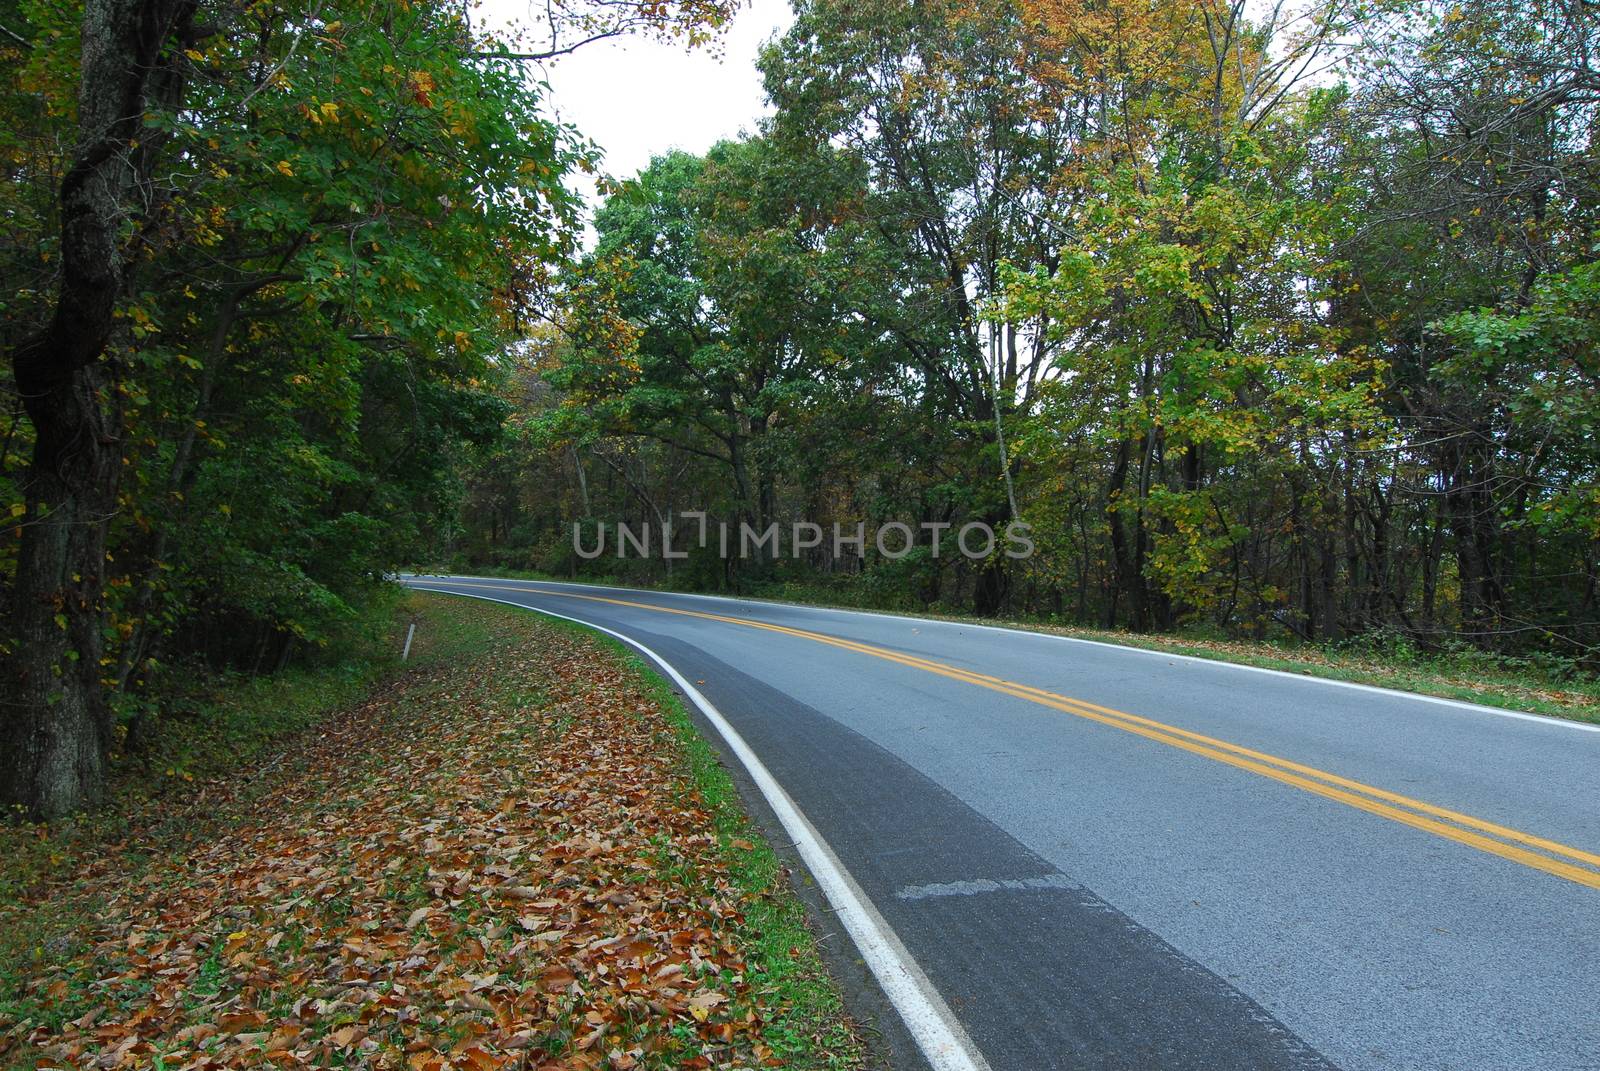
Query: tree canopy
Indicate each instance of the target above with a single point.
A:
(262, 261)
(1268, 320)
(1272, 320)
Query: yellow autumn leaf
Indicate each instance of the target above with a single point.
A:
(285, 169)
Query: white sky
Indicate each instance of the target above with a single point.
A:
(637, 98)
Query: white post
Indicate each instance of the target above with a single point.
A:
(411, 630)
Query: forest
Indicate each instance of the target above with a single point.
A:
(1276, 320)
(1272, 320)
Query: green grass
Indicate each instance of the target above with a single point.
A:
(812, 1031)
(1464, 674)
(1548, 686)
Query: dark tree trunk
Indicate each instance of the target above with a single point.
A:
(1328, 582)
(1121, 563)
(56, 725)
(992, 585)
(1139, 589)
(1473, 523)
(55, 728)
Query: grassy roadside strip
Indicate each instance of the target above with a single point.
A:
(1449, 676)
(515, 852)
(812, 1030)
(1469, 676)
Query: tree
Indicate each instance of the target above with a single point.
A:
(706, 317)
(1190, 269)
(56, 727)
(1272, 319)
(961, 146)
(290, 245)
(1469, 160)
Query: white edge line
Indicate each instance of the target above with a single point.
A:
(1304, 678)
(937, 1032)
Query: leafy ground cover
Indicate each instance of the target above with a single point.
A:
(514, 852)
(1545, 686)
(1456, 673)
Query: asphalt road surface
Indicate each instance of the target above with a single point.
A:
(1083, 856)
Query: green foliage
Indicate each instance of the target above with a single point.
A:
(324, 280)
(705, 320)
(1255, 353)
(1537, 359)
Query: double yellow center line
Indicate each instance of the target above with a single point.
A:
(1549, 856)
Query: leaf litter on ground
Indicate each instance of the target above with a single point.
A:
(497, 863)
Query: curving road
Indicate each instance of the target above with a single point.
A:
(1062, 854)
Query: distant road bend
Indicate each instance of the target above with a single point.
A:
(1061, 854)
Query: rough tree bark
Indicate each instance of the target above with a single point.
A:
(54, 725)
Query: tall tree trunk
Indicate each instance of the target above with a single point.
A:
(1473, 523)
(993, 583)
(55, 727)
(1139, 593)
(583, 482)
(1121, 558)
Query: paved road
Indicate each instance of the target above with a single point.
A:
(1102, 858)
